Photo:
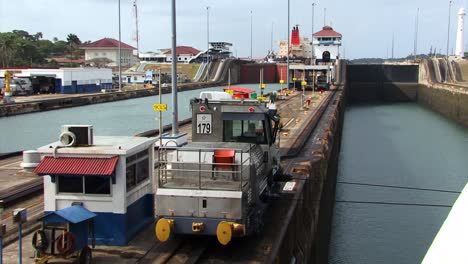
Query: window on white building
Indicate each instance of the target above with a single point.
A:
(83, 184)
(137, 169)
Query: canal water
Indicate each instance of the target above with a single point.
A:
(120, 118)
(402, 145)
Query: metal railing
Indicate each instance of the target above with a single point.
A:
(195, 168)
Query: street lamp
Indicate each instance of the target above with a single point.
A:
(416, 35)
(312, 38)
(120, 54)
(175, 118)
(287, 56)
(251, 33)
(207, 31)
(448, 41)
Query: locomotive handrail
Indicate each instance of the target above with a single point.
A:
(171, 166)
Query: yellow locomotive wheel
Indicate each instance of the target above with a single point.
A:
(163, 229)
(224, 232)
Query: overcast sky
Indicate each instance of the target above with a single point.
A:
(367, 25)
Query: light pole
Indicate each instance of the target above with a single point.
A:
(324, 16)
(175, 125)
(271, 39)
(448, 42)
(416, 35)
(120, 54)
(287, 57)
(251, 33)
(207, 31)
(312, 37)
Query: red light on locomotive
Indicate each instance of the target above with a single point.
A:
(251, 109)
(202, 109)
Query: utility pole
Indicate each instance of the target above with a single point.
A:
(325, 16)
(251, 34)
(207, 32)
(312, 35)
(416, 35)
(137, 32)
(287, 57)
(175, 121)
(271, 40)
(120, 54)
(448, 41)
(393, 44)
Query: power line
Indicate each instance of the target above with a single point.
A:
(390, 203)
(398, 187)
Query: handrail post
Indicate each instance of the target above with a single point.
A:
(199, 169)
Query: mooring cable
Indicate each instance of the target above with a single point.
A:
(394, 203)
(398, 187)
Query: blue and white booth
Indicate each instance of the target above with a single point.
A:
(110, 176)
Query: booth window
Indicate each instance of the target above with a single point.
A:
(137, 169)
(84, 185)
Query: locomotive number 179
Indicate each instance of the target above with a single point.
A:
(204, 124)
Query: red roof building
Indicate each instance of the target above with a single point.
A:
(107, 43)
(327, 31)
(108, 48)
(182, 50)
(326, 44)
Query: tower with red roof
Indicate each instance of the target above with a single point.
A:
(326, 44)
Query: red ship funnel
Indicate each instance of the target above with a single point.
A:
(295, 36)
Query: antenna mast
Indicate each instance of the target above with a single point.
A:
(137, 32)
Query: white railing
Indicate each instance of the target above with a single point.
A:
(195, 168)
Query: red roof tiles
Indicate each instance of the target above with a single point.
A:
(107, 43)
(182, 50)
(327, 31)
(77, 166)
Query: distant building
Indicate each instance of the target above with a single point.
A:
(65, 80)
(151, 56)
(327, 44)
(184, 55)
(106, 51)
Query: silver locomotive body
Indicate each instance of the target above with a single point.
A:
(214, 185)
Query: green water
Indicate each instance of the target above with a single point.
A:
(403, 145)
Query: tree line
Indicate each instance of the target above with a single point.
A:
(19, 48)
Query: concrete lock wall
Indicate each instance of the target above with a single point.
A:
(449, 100)
(305, 238)
(376, 82)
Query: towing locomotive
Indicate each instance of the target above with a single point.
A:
(218, 183)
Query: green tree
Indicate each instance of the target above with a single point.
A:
(73, 41)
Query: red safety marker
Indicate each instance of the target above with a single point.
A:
(251, 109)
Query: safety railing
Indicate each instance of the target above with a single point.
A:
(198, 169)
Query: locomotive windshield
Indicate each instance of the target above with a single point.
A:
(248, 131)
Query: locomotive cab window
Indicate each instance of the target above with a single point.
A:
(248, 131)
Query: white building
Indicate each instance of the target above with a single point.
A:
(66, 80)
(184, 55)
(303, 50)
(155, 57)
(110, 176)
(326, 44)
(108, 49)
